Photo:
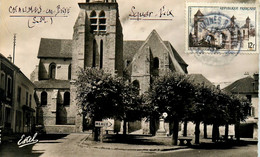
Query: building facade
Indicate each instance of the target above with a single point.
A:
(17, 105)
(247, 87)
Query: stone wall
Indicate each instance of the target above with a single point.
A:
(62, 68)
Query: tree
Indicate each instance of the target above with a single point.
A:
(172, 93)
(132, 105)
(101, 95)
(201, 110)
(98, 94)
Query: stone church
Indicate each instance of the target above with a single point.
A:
(97, 42)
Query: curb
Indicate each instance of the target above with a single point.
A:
(131, 149)
(81, 144)
(145, 149)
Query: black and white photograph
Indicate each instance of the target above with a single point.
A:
(117, 78)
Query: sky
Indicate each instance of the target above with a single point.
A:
(217, 69)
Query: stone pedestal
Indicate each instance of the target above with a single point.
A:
(161, 131)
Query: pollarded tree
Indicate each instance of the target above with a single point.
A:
(101, 95)
(132, 105)
(201, 109)
(240, 107)
(98, 94)
(173, 94)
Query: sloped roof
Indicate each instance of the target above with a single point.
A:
(57, 84)
(200, 79)
(132, 46)
(199, 13)
(175, 53)
(55, 48)
(244, 85)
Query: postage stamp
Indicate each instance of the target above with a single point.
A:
(221, 28)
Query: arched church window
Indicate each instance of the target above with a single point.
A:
(101, 54)
(136, 84)
(93, 21)
(102, 21)
(93, 14)
(66, 99)
(52, 70)
(94, 54)
(69, 72)
(44, 97)
(156, 63)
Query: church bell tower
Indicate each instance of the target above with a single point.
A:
(98, 38)
(97, 42)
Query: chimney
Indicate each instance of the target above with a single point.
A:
(9, 58)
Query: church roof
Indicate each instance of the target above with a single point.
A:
(200, 79)
(132, 46)
(53, 84)
(175, 53)
(244, 85)
(55, 48)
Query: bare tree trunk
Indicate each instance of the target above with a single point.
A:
(197, 132)
(185, 128)
(226, 131)
(237, 131)
(205, 131)
(152, 126)
(124, 127)
(95, 133)
(215, 133)
(95, 129)
(175, 132)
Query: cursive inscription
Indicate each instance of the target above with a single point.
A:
(162, 14)
(38, 15)
(24, 141)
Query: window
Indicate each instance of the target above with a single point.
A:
(155, 70)
(136, 85)
(93, 21)
(27, 95)
(69, 72)
(94, 54)
(250, 111)
(102, 21)
(156, 63)
(249, 98)
(97, 24)
(44, 96)
(19, 90)
(101, 54)
(52, 70)
(66, 98)
(2, 80)
(30, 101)
(9, 87)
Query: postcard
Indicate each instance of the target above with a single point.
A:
(129, 78)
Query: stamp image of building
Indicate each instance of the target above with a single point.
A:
(97, 42)
(212, 31)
